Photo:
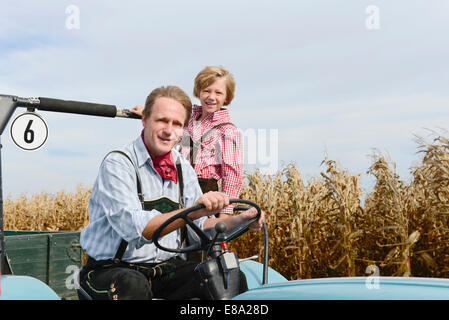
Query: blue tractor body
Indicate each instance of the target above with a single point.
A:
(352, 288)
(14, 287)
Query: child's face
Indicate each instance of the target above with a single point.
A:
(213, 97)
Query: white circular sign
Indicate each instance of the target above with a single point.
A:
(29, 131)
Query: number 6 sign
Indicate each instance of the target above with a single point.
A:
(29, 131)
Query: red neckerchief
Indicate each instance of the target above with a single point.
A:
(164, 165)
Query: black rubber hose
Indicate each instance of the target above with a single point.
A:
(265, 255)
(68, 106)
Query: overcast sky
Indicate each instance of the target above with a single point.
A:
(313, 78)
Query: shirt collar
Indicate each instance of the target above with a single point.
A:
(143, 155)
(141, 152)
(215, 118)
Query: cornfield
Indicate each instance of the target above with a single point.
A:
(48, 212)
(318, 228)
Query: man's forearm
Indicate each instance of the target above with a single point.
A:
(230, 221)
(156, 221)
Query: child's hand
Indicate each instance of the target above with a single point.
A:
(137, 110)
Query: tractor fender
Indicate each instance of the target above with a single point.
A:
(25, 288)
(253, 271)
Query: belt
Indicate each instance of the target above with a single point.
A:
(150, 270)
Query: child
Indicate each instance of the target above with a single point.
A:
(211, 142)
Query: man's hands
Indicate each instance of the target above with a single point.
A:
(215, 202)
(250, 214)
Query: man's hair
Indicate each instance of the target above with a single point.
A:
(172, 92)
(209, 75)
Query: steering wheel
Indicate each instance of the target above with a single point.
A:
(206, 237)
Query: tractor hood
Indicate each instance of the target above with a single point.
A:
(353, 288)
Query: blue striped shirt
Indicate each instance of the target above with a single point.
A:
(115, 212)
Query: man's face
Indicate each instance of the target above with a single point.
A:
(164, 126)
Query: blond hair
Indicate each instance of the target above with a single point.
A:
(172, 92)
(209, 75)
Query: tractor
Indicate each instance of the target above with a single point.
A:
(31, 274)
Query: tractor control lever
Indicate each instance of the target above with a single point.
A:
(215, 248)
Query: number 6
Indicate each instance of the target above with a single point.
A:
(28, 135)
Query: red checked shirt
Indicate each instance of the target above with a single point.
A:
(220, 155)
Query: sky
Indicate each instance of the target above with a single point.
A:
(314, 79)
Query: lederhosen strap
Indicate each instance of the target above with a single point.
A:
(181, 183)
(139, 185)
(195, 145)
(124, 244)
(181, 199)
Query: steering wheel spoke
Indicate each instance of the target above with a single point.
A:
(203, 236)
(238, 230)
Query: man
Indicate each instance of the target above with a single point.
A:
(123, 261)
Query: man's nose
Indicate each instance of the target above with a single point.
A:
(167, 128)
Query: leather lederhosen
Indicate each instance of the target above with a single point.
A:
(208, 184)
